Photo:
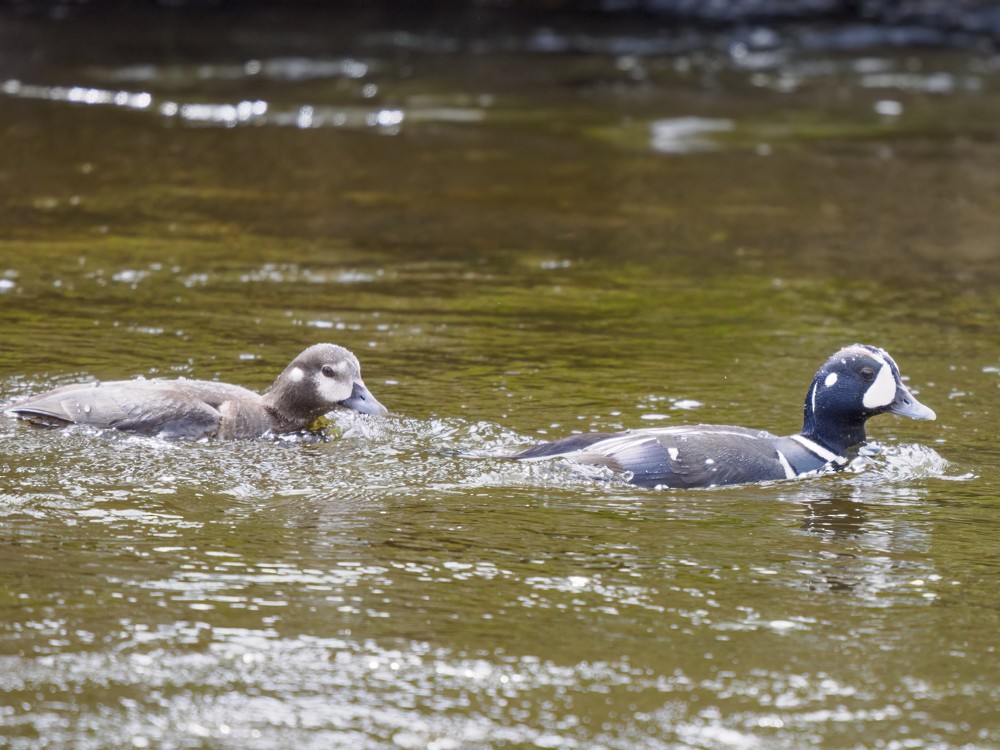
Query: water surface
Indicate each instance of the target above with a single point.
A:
(519, 240)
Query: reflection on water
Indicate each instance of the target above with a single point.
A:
(362, 89)
(685, 134)
(528, 256)
(255, 112)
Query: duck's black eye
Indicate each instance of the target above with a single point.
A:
(328, 371)
(867, 373)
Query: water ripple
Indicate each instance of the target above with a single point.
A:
(247, 112)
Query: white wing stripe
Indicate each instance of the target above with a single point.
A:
(612, 445)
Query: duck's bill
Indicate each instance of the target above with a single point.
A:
(361, 400)
(906, 405)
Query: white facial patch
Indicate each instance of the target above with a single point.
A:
(882, 390)
(296, 375)
(672, 452)
(334, 390)
(830, 379)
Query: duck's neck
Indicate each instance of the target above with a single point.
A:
(839, 438)
(832, 431)
(287, 412)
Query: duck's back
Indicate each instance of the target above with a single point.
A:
(694, 456)
(168, 408)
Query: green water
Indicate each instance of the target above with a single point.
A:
(527, 253)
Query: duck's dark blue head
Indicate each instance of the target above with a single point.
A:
(854, 385)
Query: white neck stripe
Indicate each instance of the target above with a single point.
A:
(818, 450)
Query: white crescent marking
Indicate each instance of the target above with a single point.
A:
(882, 391)
(789, 471)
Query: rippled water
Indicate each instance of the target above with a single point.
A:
(548, 233)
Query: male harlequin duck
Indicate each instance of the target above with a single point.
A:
(322, 377)
(856, 383)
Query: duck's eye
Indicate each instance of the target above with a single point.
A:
(867, 373)
(327, 371)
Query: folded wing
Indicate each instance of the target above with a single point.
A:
(697, 456)
(133, 406)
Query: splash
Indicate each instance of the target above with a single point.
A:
(901, 463)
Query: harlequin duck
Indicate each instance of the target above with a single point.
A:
(322, 377)
(856, 383)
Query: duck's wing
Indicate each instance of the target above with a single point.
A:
(144, 407)
(696, 456)
(562, 446)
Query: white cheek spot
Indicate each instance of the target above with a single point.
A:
(830, 379)
(882, 391)
(296, 375)
(672, 452)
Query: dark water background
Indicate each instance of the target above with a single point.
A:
(520, 235)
